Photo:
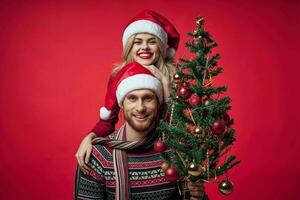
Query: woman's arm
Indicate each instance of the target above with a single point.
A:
(84, 152)
(101, 129)
(105, 127)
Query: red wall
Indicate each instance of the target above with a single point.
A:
(55, 59)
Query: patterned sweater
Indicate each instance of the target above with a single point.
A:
(147, 180)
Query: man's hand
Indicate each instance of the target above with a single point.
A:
(84, 152)
(196, 190)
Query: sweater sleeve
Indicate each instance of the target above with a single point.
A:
(105, 127)
(87, 187)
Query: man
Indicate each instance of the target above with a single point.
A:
(124, 165)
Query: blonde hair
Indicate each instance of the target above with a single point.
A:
(164, 64)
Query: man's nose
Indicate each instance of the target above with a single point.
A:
(140, 107)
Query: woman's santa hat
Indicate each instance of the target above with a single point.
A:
(131, 77)
(152, 22)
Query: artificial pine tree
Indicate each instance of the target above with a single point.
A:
(199, 131)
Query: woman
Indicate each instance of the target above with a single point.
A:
(151, 40)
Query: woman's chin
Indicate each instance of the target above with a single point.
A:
(145, 62)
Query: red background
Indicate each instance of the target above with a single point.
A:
(56, 56)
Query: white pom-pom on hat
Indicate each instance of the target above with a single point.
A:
(171, 52)
(104, 113)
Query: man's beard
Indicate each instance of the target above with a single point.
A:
(141, 127)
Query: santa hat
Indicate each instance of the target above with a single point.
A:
(132, 76)
(152, 22)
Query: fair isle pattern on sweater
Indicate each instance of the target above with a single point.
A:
(146, 178)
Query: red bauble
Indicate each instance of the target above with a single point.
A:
(226, 118)
(218, 127)
(187, 71)
(187, 113)
(194, 100)
(190, 128)
(192, 82)
(159, 146)
(184, 91)
(172, 174)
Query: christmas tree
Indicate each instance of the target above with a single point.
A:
(199, 131)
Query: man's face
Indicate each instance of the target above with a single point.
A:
(140, 109)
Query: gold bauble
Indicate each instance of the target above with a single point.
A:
(198, 130)
(195, 33)
(194, 169)
(226, 187)
(199, 20)
(177, 77)
(207, 102)
(184, 84)
(164, 166)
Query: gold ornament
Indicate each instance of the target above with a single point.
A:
(184, 84)
(195, 32)
(164, 166)
(194, 169)
(198, 130)
(226, 187)
(199, 20)
(177, 78)
(207, 102)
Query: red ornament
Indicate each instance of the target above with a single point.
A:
(218, 127)
(172, 174)
(184, 91)
(192, 82)
(159, 146)
(194, 100)
(226, 118)
(190, 128)
(187, 113)
(187, 71)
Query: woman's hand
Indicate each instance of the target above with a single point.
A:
(84, 152)
(196, 190)
(164, 80)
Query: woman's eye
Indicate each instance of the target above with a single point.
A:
(137, 42)
(152, 42)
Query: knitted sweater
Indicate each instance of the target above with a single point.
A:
(146, 178)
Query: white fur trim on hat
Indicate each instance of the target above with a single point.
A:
(139, 81)
(104, 113)
(144, 26)
(171, 52)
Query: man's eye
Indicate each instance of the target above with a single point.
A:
(131, 98)
(148, 99)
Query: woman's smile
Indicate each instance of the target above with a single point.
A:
(145, 55)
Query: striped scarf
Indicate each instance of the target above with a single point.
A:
(119, 146)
